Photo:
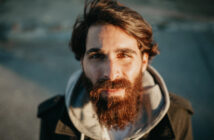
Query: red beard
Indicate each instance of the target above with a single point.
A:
(117, 112)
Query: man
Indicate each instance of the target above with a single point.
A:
(116, 95)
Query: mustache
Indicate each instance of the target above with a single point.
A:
(108, 84)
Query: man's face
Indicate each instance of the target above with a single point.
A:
(113, 67)
(112, 54)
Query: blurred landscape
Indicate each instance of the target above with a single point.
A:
(35, 61)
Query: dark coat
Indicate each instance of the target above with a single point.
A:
(56, 124)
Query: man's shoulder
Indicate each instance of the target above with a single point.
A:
(179, 115)
(50, 105)
(179, 102)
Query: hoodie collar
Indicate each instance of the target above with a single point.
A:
(84, 118)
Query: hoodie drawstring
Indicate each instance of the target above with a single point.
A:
(82, 136)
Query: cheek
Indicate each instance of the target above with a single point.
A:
(91, 71)
(132, 70)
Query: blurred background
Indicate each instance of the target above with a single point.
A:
(35, 61)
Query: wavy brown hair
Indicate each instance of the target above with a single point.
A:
(100, 12)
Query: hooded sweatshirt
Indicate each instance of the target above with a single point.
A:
(83, 116)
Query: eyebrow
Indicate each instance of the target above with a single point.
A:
(120, 50)
(93, 50)
(126, 50)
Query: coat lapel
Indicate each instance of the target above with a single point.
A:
(64, 125)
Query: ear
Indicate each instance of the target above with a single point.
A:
(145, 59)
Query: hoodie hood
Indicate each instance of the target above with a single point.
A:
(84, 118)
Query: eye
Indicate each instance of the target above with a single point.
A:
(96, 56)
(123, 55)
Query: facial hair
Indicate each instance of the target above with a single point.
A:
(116, 112)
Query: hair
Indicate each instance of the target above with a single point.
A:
(101, 12)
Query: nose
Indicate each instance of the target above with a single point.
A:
(111, 70)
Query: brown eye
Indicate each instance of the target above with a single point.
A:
(123, 55)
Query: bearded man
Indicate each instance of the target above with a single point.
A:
(116, 95)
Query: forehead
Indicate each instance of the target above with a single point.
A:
(109, 37)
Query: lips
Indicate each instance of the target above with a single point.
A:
(114, 92)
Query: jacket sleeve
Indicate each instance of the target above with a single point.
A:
(180, 115)
(48, 113)
(45, 132)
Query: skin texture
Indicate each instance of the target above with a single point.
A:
(112, 54)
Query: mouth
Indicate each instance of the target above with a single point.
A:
(113, 92)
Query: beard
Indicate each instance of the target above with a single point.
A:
(113, 111)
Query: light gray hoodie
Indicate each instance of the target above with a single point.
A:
(84, 118)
